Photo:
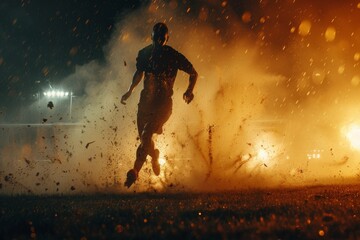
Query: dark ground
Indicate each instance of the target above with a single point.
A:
(329, 212)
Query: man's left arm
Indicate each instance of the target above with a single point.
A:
(185, 65)
(188, 95)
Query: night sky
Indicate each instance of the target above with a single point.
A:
(43, 41)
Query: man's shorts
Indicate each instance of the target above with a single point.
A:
(153, 115)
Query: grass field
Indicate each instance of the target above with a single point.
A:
(329, 212)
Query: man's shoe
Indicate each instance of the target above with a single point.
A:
(155, 162)
(131, 177)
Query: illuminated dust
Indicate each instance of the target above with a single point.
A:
(276, 104)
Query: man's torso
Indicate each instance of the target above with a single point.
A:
(160, 66)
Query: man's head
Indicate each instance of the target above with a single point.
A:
(160, 34)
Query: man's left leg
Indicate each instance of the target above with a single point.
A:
(163, 114)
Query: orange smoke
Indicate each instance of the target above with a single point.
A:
(274, 104)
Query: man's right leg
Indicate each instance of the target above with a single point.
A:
(146, 148)
(142, 120)
(133, 174)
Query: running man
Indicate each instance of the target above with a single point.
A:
(158, 65)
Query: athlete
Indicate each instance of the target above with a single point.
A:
(157, 64)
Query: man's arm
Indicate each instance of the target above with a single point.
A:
(138, 75)
(184, 64)
(188, 95)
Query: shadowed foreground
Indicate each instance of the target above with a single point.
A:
(301, 213)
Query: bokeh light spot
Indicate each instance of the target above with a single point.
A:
(341, 69)
(304, 28)
(330, 34)
(357, 56)
(355, 80)
(246, 17)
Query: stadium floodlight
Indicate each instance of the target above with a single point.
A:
(60, 94)
(57, 94)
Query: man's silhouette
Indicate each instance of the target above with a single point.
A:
(158, 64)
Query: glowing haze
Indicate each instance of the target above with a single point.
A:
(276, 103)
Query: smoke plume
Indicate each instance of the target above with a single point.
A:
(275, 98)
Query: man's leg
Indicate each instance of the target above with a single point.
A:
(132, 174)
(146, 148)
(148, 124)
(163, 114)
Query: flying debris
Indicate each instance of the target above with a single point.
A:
(88, 144)
(276, 86)
(50, 105)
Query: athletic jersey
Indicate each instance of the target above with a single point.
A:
(160, 69)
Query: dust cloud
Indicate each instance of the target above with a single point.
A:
(275, 105)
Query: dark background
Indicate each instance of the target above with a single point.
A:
(43, 41)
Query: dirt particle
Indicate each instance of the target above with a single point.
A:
(27, 161)
(8, 177)
(50, 105)
(88, 144)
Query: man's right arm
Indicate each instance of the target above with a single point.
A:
(138, 75)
